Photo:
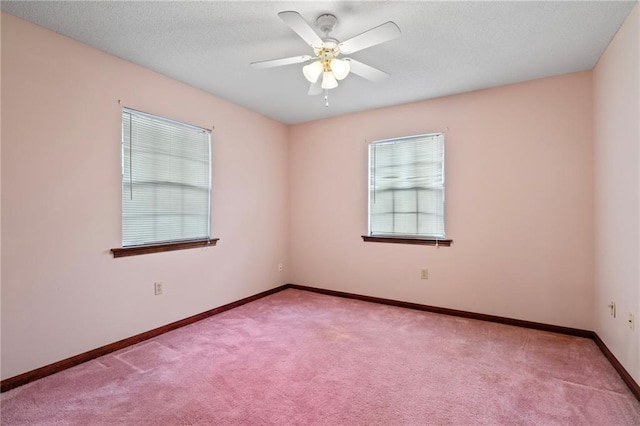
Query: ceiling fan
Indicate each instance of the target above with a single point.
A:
(326, 60)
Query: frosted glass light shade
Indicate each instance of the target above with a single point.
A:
(340, 68)
(312, 71)
(329, 80)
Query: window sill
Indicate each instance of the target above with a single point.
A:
(400, 240)
(157, 248)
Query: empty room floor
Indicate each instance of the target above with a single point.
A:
(300, 358)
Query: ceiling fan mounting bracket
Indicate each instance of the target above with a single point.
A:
(326, 22)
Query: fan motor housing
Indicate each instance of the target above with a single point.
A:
(327, 22)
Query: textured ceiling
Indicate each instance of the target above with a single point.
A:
(445, 47)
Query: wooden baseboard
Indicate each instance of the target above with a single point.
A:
(47, 370)
(624, 374)
(453, 312)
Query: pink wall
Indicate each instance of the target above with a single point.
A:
(519, 204)
(62, 292)
(617, 192)
(0, 193)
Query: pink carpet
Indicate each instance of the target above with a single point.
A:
(299, 358)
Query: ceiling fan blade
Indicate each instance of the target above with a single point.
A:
(366, 71)
(315, 88)
(380, 34)
(300, 26)
(279, 62)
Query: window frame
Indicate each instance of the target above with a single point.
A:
(414, 239)
(171, 245)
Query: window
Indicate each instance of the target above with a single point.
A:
(406, 189)
(166, 181)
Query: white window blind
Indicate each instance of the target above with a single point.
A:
(406, 187)
(166, 180)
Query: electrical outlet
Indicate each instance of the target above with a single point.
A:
(612, 309)
(424, 274)
(157, 287)
(632, 321)
(280, 267)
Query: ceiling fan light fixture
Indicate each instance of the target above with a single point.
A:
(340, 68)
(326, 50)
(312, 71)
(329, 80)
